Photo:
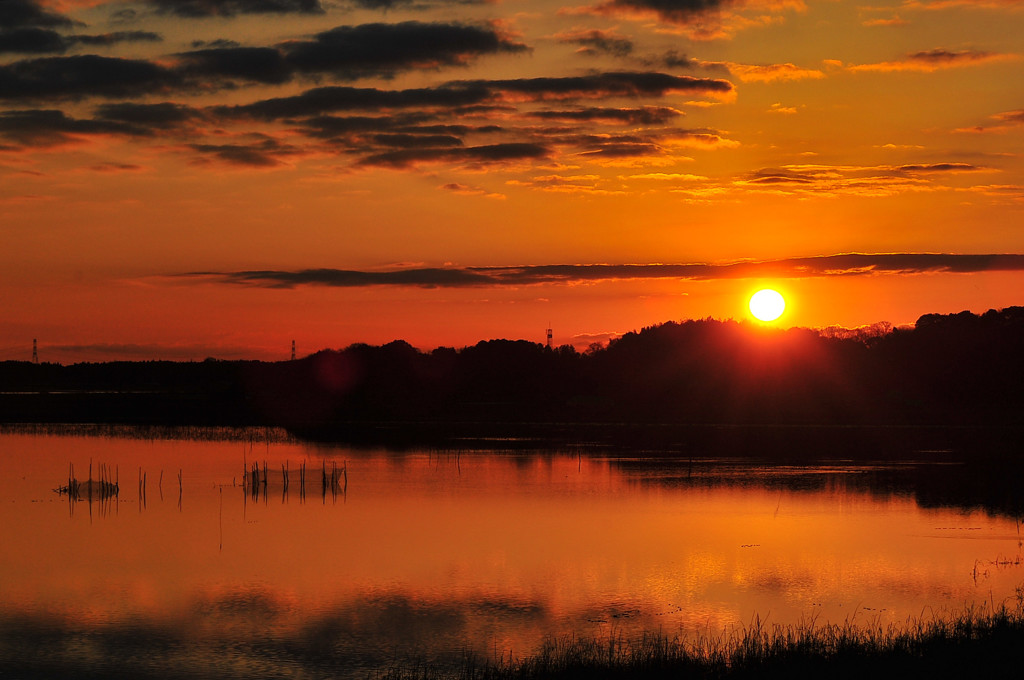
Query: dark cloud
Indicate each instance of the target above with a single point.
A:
(386, 5)
(673, 11)
(942, 56)
(47, 127)
(469, 92)
(256, 64)
(647, 115)
(348, 53)
(351, 52)
(940, 167)
(341, 278)
(81, 76)
(114, 38)
(124, 16)
(334, 126)
(218, 43)
(623, 149)
(599, 42)
(412, 141)
(331, 99)
(31, 40)
(228, 8)
(46, 41)
(780, 176)
(847, 264)
(163, 116)
(600, 85)
(474, 155)
(265, 154)
(674, 59)
(115, 167)
(933, 60)
(26, 13)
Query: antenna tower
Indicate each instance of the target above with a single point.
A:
(35, 352)
(549, 338)
(293, 350)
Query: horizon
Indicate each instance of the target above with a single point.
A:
(119, 354)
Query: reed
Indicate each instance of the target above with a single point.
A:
(976, 642)
(101, 488)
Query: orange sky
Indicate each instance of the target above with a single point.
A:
(191, 178)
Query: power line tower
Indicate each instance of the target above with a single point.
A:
(549, 338)
(35, 352)
(293, 350)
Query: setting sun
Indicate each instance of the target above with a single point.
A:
(767, 305)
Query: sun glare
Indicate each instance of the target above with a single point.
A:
(767, 305)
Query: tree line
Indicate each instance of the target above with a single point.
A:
(947, 369)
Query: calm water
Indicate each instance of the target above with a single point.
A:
(423, 555)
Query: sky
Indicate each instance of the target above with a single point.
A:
(183, 179)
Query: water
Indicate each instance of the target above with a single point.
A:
(421, 556)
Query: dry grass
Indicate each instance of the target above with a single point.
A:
(976, 641)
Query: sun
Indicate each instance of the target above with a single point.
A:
(767, 305)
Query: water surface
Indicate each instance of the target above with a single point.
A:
(423, 555)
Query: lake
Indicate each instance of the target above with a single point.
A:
(418, 556)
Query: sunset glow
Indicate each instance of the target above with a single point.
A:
(195, 178)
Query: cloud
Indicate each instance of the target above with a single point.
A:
(463, 93)
(413, 141)
(22, 13)
(828, 180)
(845, 264)
(386, 5)
(256, 64)
(765, 73)
(1011, 117)
(473, 155)
(671, 11)
(48, 127)
(699, 19)
(46, 41)
(675, 59)
(338, 98)
(1004, 121)
(83, 76)
(940, 167)
(162, 116)
(603, 85)
(595, 41)
(115, 167)
(264, 154)
(31, 40)
(566, 184)
(969, 4)
(229, 8)
(465, 190)
(934, 60)
(646, 115)
(344, 52)
(350, 52)
(327, 127)
(889, 22)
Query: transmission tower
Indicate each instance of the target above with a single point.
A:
(549, 338)
(35, 352)
(293, 350)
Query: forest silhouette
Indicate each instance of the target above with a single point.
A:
(957, 373)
